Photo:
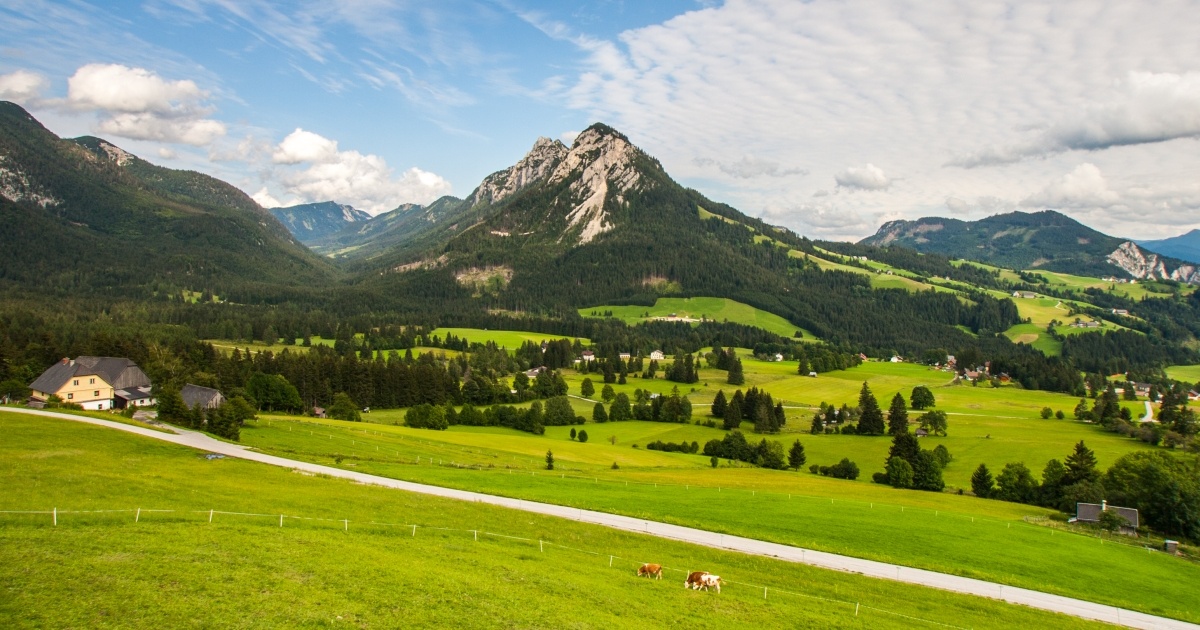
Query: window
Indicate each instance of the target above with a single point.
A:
(96, 393)
(75, 382)
(91, 381)
(70, 396)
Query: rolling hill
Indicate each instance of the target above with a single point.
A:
(1046, 240)
(94, 219)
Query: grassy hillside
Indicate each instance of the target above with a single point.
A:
(942, 532)
(712, 308)
(174, 569)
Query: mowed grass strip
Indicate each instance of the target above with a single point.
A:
(711, 308)
(173, 569)
(938, 531)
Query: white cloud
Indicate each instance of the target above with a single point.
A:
(750, 167)
(869, 177)
(22, 87)
(1147, 108)
(363, 181)
(1083, 187)
(305, 146)
(136, 103)
(568, 137)
(266, 199)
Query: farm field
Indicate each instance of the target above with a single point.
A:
(1134, 292)
(941, 531)
(716, 309)
(511, 339)
(1036, 336)
(1186, 373)
(465, 565)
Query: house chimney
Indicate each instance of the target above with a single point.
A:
(65, 361)
(1103, 505)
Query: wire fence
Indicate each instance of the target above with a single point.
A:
(209, 517)
(1029, 524)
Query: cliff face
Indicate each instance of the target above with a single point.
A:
(542, 159)
(1148, 266)
(605, 166)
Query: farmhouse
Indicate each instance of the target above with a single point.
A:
(1028, 295)
(92, 382)
(589, 356)
(205, 397)
(1120, 311)
(1090, 513)
(133, 397)
(656, 355)
(896, 359)
(624, 356)
(778, 356)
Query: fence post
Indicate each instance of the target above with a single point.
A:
(477, 535)
(540, 547)
(56, 517)
(414, 531)
(346, 523)
(137, 517)
(210, 513)
(764, 592)
(610, 561)
(281, 520)
(856, 609)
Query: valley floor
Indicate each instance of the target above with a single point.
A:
(1055, 603)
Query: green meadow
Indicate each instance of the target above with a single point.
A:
(511, 339)
(716, 309)
(1186, 373)
(105, 564)
(937, 531)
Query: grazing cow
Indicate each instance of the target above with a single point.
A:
(709, 580)
(694, 579)
(650, 570)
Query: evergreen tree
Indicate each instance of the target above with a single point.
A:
(607, 394)
(899, 473)
(583, 436)
(549, 460)
(922, 397)
(905, 446)
(780, 416)
(718, 405)
(982, 483)
(1081, 465)
(870, 420)
(733, 416)
(572, 433)
(818, 424)
(620, 410)
(586, 388)
(735, 373)
(598, 414)
(796, 456)
(1052, 483)
(927, 474)
(898, 415)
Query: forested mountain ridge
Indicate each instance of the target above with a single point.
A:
(1185, 246)
(309, 222)
(95, 220)
(380, 234)
(1046, 240)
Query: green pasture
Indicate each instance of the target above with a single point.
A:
(1035, 336)
(711, 308)
(1138, 291)
(466, 566)
(1185, 373)
(511, 339)
(940, 531)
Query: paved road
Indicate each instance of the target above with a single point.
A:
(870, 568)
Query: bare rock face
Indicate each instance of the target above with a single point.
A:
(116, 154)
(605, 164)
(1148, 266)
(545, 155)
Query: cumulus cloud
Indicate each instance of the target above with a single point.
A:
(869, 177)
(1147, 108)
(363, 181)
(22, 87)
(136, 103)
(265, 199)
(305, 146)
(1083, 187)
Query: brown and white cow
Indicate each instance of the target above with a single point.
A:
(650, 570)
(709, 580)
(694, 579)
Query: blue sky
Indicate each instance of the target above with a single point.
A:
(829, 118)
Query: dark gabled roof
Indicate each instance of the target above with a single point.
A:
(1090, 513)
(118, 372)
(134, 393)
(196, 395)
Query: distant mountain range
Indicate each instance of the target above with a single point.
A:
(1040, 240)
(311, 221)
(1185, 246)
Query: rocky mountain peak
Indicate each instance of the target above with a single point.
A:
(604, 161)
(545, 155)
(1149, 266)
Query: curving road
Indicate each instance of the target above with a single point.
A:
(871, 568)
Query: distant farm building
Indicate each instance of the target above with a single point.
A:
(204, 397)
(657, 355)
(1120, 311)
(1090, 513)
(589, 356)
(1028, 295)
